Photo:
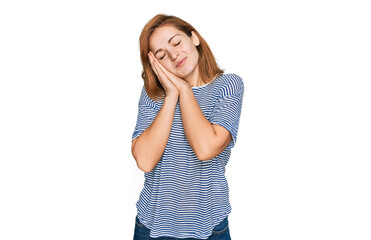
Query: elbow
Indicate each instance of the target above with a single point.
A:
(204, 155)
(208, 153)
(142, 164)
(139, 160)
(145, 169)
(145, 162)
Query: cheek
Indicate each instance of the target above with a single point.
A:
(194, 53)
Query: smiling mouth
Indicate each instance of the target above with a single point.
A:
(181, 62)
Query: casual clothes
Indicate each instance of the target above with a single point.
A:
(220, 232)
(182, 196)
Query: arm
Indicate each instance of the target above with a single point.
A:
(207, 140)
(147, 149)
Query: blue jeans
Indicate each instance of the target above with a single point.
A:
(220, 232)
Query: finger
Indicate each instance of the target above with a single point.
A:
(169, 74)
(162, 77)
(152, 61)
(150, 57)
(161, 69)
(160, 72)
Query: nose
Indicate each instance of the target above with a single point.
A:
(173, 55)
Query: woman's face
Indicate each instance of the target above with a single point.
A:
(175, 50)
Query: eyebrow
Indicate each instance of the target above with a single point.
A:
(168, 41)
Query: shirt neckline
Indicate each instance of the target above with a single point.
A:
(198, 87)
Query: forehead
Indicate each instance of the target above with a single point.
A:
(162, 34)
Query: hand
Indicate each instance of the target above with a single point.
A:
(167, 79)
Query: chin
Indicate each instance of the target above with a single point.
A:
(180, 75)
(185, 72)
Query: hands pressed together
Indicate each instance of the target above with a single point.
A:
(206, 139)
(171, 83)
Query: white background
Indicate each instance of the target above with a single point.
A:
(70, 84)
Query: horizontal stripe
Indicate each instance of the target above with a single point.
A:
(184, 197)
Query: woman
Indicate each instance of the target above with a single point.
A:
(188, 117)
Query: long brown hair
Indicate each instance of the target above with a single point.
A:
(207, 64)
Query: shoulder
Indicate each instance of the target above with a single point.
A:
(231, 84)
(146, 100)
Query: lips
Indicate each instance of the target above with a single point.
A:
(181, 62)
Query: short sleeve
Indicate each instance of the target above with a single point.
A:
(227, 109)
(146, 114)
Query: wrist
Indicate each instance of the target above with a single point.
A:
(172, 97)
(184, 87)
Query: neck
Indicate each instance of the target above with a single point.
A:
(194, 79)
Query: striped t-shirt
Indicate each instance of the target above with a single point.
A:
(182, 196)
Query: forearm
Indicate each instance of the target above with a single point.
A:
(198, 130)
(150, 145)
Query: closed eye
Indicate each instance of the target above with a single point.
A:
(174, 45)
